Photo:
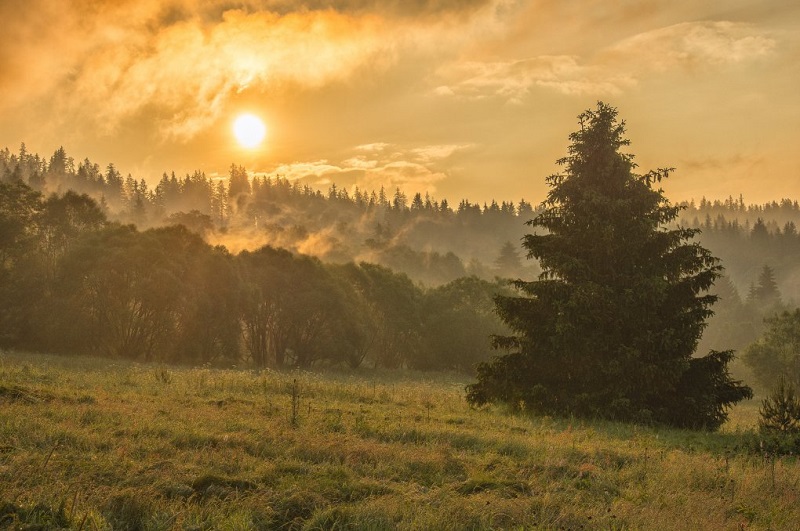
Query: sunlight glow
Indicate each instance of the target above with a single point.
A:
(249, 130)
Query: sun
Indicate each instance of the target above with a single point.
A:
(249, 130)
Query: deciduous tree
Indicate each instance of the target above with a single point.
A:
(776, 354)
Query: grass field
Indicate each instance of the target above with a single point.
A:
(92, 444)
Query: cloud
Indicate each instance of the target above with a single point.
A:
(513, 80)
(375, 146)
(188, 70)
(318, 173)
(692, 45)
(403, 8)
(409, 177)
(37, 48)
(438, 152)
(361, 162)
(376, 165)
(613, 70)
(423, 154)
(717, 164)
(179, 63)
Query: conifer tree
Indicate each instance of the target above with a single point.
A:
(780, 411)
(508, 262)
(610, 328)
(239, 182)
(765, 295)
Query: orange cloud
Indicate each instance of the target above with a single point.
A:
(512, 80)
(692, 44)
(189, 70)
(375, 165)
(615, 68)
(181, 62)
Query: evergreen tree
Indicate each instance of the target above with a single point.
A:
(399, 201)
(759, 232)
(765, 295)
(416, 203)
(115, 186)
(508, 263)
(781, 410)
(239, 182)
(610, 327)
(58, 162)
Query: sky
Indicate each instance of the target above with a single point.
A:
(462, 99)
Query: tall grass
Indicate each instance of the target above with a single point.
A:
(89, 444)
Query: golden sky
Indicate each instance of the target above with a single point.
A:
(460, 98)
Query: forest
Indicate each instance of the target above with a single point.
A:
(73, 281)
(189, 256)
(184, 285)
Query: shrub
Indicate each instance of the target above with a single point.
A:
(780, 412)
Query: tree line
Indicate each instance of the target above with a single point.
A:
(73, 281)
(609, 329)
(749, 238)
(431, 240)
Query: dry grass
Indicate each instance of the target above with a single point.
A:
(89, 444)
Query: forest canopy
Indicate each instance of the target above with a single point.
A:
(72, 281)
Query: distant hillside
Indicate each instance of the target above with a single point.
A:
(749, 237)
(432, 240)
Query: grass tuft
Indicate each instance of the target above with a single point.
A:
(209, 485)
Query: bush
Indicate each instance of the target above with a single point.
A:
(780, 412)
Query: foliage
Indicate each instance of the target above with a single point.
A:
(776, 354)
(292, 309)
(778, 422)
(151, 295)
(459, 320)
(430, 240)
(35, 237)
(610, 327)
(424, 238)
(772, 443)
(780, 411)
(73, 282)
(390, 310)
(508, 263)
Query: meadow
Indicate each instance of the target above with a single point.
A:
(92, 444)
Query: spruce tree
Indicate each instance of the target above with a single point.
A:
(765, 295)
(610, 328)
(239, 182)
(780, 411)
(508, 262)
